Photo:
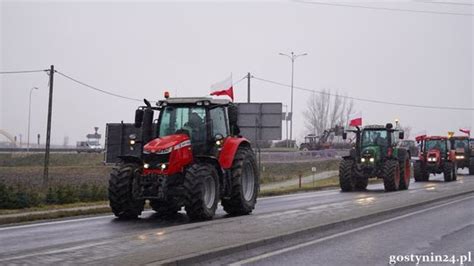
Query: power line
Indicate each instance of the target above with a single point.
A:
(385, 8)
(368, 100)
(97, 89)
(444, 3)
(23, 71)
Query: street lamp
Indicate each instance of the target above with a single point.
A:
(292, 57)
(286, 124)
(29, 117)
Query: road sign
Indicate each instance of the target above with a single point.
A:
(260, 121)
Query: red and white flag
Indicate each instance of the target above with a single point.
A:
(465, 131)
(355, 120)
(223, 88)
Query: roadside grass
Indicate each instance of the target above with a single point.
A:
(276, 172)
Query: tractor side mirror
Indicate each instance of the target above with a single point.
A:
(344, 135)
(401, 135)
(389, 126)
(138, 118)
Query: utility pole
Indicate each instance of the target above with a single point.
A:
(48, 129)
(248, 86)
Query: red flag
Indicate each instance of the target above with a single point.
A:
(356, 122)
(229, 92)
(465, 131)
(223, 88)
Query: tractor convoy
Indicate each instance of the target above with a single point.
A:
(192, 155)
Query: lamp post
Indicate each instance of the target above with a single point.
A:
(29, 119)
(292, 57)
(286, 124)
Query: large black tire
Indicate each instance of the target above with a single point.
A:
(346, 181)
(121, 199)
(448, 171)
(391, 175)
(455, 171)
(471, 166)
(201, 185)
(419, 172)
(165, 208)
(245, 183)
(405, 170)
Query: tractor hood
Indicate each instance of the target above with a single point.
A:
(434, 153)
(371, 151)
(165, 144)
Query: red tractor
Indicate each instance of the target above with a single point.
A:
(435, 157)
(193, 156)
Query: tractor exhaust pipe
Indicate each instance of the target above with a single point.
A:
(147, 125)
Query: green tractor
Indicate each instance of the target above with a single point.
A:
(375, 154)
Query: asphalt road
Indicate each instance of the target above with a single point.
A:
(106, 240)
(445, 229)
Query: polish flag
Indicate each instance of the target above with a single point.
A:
(223, 88)
(465, 131)
(355, 120)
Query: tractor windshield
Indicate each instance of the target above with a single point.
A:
(374, 137)
(437, 144)
(183, 120)
(461, 144)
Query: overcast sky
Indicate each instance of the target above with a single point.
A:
(142, 49)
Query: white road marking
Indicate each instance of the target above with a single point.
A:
(281, 251)
(55, 251)
(60, 222)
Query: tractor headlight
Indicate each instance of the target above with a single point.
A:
(146, 166)
(459, 157)
(372, 160)
(431, 159)
(163, 166)
(132, 142)
(362, 160)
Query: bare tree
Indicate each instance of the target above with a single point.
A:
(325, 111)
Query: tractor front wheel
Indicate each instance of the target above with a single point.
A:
(345, 175)
(120, 192)
(419, 173)
(201, 185)
(405, 170)
(391, 175)
(448, 171)
(471, 166)
(245, 184)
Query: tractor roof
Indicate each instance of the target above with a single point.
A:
(460, 137)
(374, 127)
(193, 100)
(425, 137)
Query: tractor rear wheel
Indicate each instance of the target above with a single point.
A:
(471, 166)
(345, 175)
(245, 184)
(419, 173)
(448, 171)
(164, 208)
(391, 175)
(201, 185)
(120, 192)
(405, 173)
